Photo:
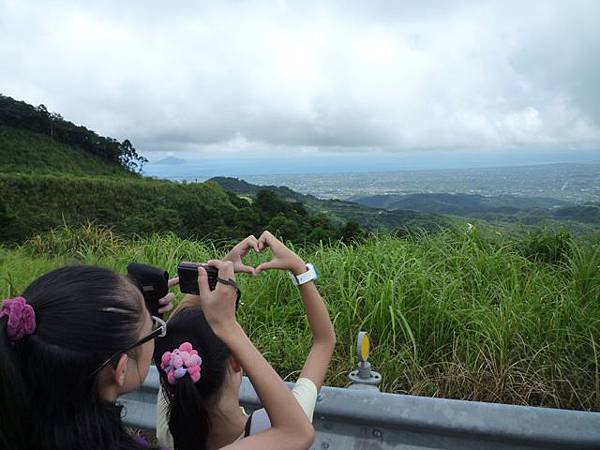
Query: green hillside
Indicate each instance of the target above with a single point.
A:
(19, 115)
(28, 152)
(341, 211)
(34, 203)
(585, 213)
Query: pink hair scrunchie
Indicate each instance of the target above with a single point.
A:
(21, 318)
(180, 361)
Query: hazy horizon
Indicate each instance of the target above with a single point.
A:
(238, 167)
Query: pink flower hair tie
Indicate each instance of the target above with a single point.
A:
(21, 318)
(180, 361)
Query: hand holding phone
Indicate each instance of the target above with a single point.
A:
(188, 279)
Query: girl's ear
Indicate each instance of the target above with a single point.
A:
(235, 365)
(121, 371)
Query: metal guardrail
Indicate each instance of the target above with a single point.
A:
(367, 420)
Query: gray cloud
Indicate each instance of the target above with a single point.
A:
(257, 77)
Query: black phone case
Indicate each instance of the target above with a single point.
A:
(188, 279)
(152, 281)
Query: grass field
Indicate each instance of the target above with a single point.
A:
(477, 316)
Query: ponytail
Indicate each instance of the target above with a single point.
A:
(189, 420)
(190, 403)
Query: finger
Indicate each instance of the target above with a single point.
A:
(165, 309)
(264, 240)
(203, 281)
(245, 269)
(173, 281)
(265, 266)
(225, 271)
(253, 242)
(167, 299)
(225, 268)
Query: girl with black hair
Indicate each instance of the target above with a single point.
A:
(78, 338)
(69, 348)
(198, 408)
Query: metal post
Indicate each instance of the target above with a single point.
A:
(364, 378)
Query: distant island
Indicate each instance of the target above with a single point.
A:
(169, 161)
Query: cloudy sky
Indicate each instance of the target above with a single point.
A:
(324, 81)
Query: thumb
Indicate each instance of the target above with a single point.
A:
(266, 266)
(203, 281)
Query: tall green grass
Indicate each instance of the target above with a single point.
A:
(475, 316)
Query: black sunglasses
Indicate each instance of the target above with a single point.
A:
(159, 330)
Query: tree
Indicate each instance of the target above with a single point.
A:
(269, 202)
(286, 228)
(351, 232)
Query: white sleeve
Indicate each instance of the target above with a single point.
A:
(305, 393)
(163, 434)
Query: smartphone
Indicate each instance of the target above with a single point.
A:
(188, 278)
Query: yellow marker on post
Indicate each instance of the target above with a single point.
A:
(364, 377)
(363, 347)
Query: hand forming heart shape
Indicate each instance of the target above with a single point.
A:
(283, 257)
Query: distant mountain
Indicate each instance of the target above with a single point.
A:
(586, 213)
(169, 161)
(458, 204)
(341, 211)
(242, 187)
(502, 208)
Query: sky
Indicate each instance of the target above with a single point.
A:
(328, 85)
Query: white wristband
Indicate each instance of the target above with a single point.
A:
(310, 275)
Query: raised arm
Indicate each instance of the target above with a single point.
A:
(290, 428)
(317, 362)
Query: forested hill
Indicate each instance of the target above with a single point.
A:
(341, 211)
(22, 116)
(27, 152)
(242, 187)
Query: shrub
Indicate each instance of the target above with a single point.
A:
(547, 246)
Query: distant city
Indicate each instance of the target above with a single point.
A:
(571, 182)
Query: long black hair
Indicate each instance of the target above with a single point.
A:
(190, 405)
(48, 398)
